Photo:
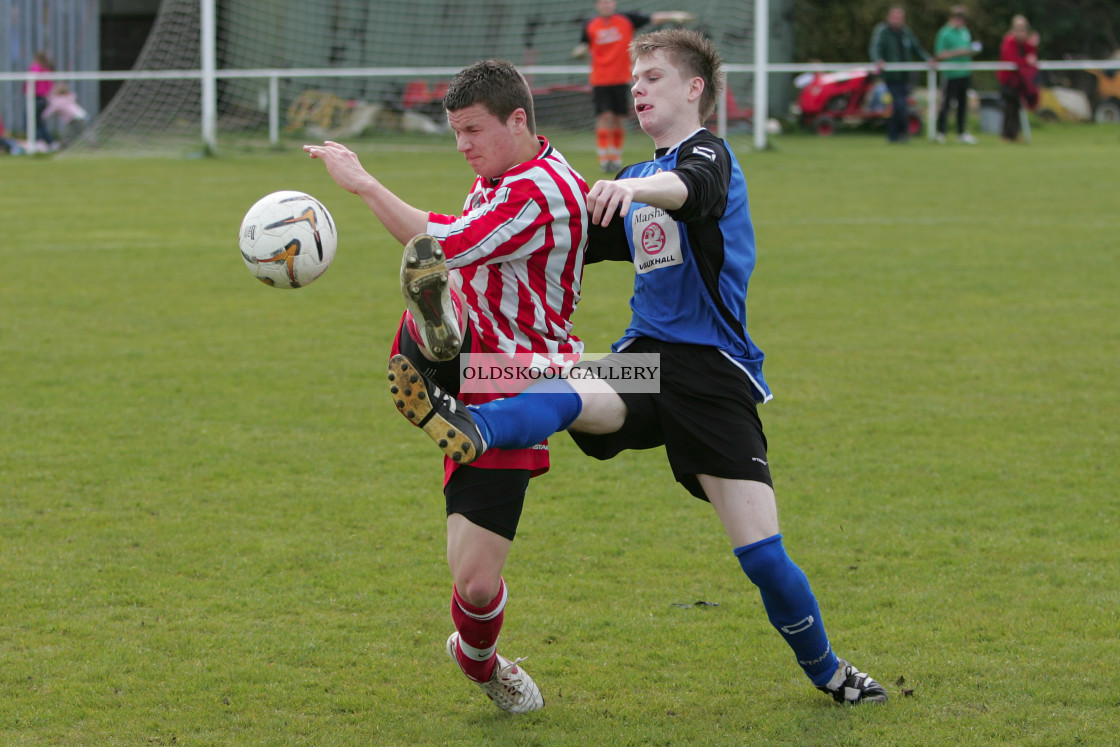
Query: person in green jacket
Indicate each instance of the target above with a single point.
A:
(954, 44)
(893, 41)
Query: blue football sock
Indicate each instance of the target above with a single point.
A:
(790, 605)
(530, 417)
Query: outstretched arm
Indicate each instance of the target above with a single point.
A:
(671, 16)
(399, 218)
(931, 59)
(609, 198)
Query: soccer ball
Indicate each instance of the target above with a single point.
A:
(288, 239)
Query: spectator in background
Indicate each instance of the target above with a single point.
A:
(954, 44)
(893, 41)
(63, 102)
(1020, 46)
(42, 63)
(607, 39)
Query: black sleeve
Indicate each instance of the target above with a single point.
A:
(607, 244)
(704, 165)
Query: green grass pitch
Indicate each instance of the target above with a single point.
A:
(216, 530)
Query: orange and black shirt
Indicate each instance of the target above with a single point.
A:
(609, 39)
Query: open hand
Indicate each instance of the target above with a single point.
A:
(342, 164)
(609, 198)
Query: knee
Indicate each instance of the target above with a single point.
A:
(602, 411)
(477, 589)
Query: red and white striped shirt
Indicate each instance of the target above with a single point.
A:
(516, 259)
(518, 252)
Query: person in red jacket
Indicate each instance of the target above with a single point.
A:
(1019, 46)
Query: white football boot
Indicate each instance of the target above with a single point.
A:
(510, 687)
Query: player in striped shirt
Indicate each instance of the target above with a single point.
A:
(503, 278)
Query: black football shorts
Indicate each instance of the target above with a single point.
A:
(611, 99)
(704, 415)
(490, 498)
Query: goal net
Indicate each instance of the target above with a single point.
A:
(286, 69)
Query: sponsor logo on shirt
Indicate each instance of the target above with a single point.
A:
(653, 238)
(656, 240)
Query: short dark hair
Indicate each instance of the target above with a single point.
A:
(497, 85)
(693, 54)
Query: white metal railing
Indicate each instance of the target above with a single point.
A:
(273, 76)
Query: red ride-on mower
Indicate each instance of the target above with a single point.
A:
(846, 97)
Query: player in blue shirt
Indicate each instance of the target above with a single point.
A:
(683, 219)
(693, 262)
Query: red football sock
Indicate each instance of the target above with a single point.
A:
(478, 628)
